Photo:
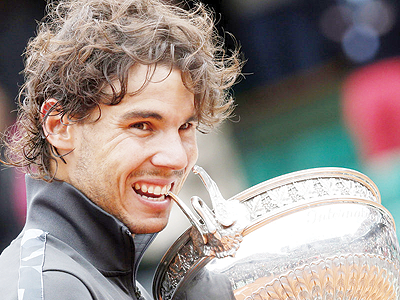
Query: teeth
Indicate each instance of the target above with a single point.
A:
(153, 189)
(150, 189)
(154, 199)
(164, 190)
(157, 190)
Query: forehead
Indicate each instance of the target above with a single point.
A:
(151, 90)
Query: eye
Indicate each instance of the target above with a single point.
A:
(186, 126)
(141, 126)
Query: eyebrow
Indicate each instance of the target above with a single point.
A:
(149, 115)
(192, 118)
(141, 115)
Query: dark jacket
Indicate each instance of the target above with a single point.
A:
(70, 249)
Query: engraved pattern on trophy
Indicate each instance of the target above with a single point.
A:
(359, 276)
(305, 191)
(186, 257)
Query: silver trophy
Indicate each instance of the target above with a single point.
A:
(318, 234)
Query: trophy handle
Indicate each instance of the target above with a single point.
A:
(220, 228)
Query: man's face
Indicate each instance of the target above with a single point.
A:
(137, 151)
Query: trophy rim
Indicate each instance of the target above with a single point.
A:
(322, 172)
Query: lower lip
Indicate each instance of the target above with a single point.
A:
(155, 204)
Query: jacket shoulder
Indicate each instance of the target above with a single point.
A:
(63, 285)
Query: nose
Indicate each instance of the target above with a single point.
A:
(171, 152)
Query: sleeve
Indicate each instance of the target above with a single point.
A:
(64, 286)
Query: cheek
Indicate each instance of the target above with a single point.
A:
(123, 149)
(192, 151)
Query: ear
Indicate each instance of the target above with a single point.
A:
(57, 128)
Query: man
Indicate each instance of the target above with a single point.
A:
(114, 92)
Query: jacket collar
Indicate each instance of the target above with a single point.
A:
(67, 214)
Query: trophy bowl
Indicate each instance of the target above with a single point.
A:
(313, 234)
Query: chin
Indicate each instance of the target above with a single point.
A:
(152, 226)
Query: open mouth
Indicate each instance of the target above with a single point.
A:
(152, 192)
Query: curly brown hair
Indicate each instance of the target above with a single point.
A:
(84, 46)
